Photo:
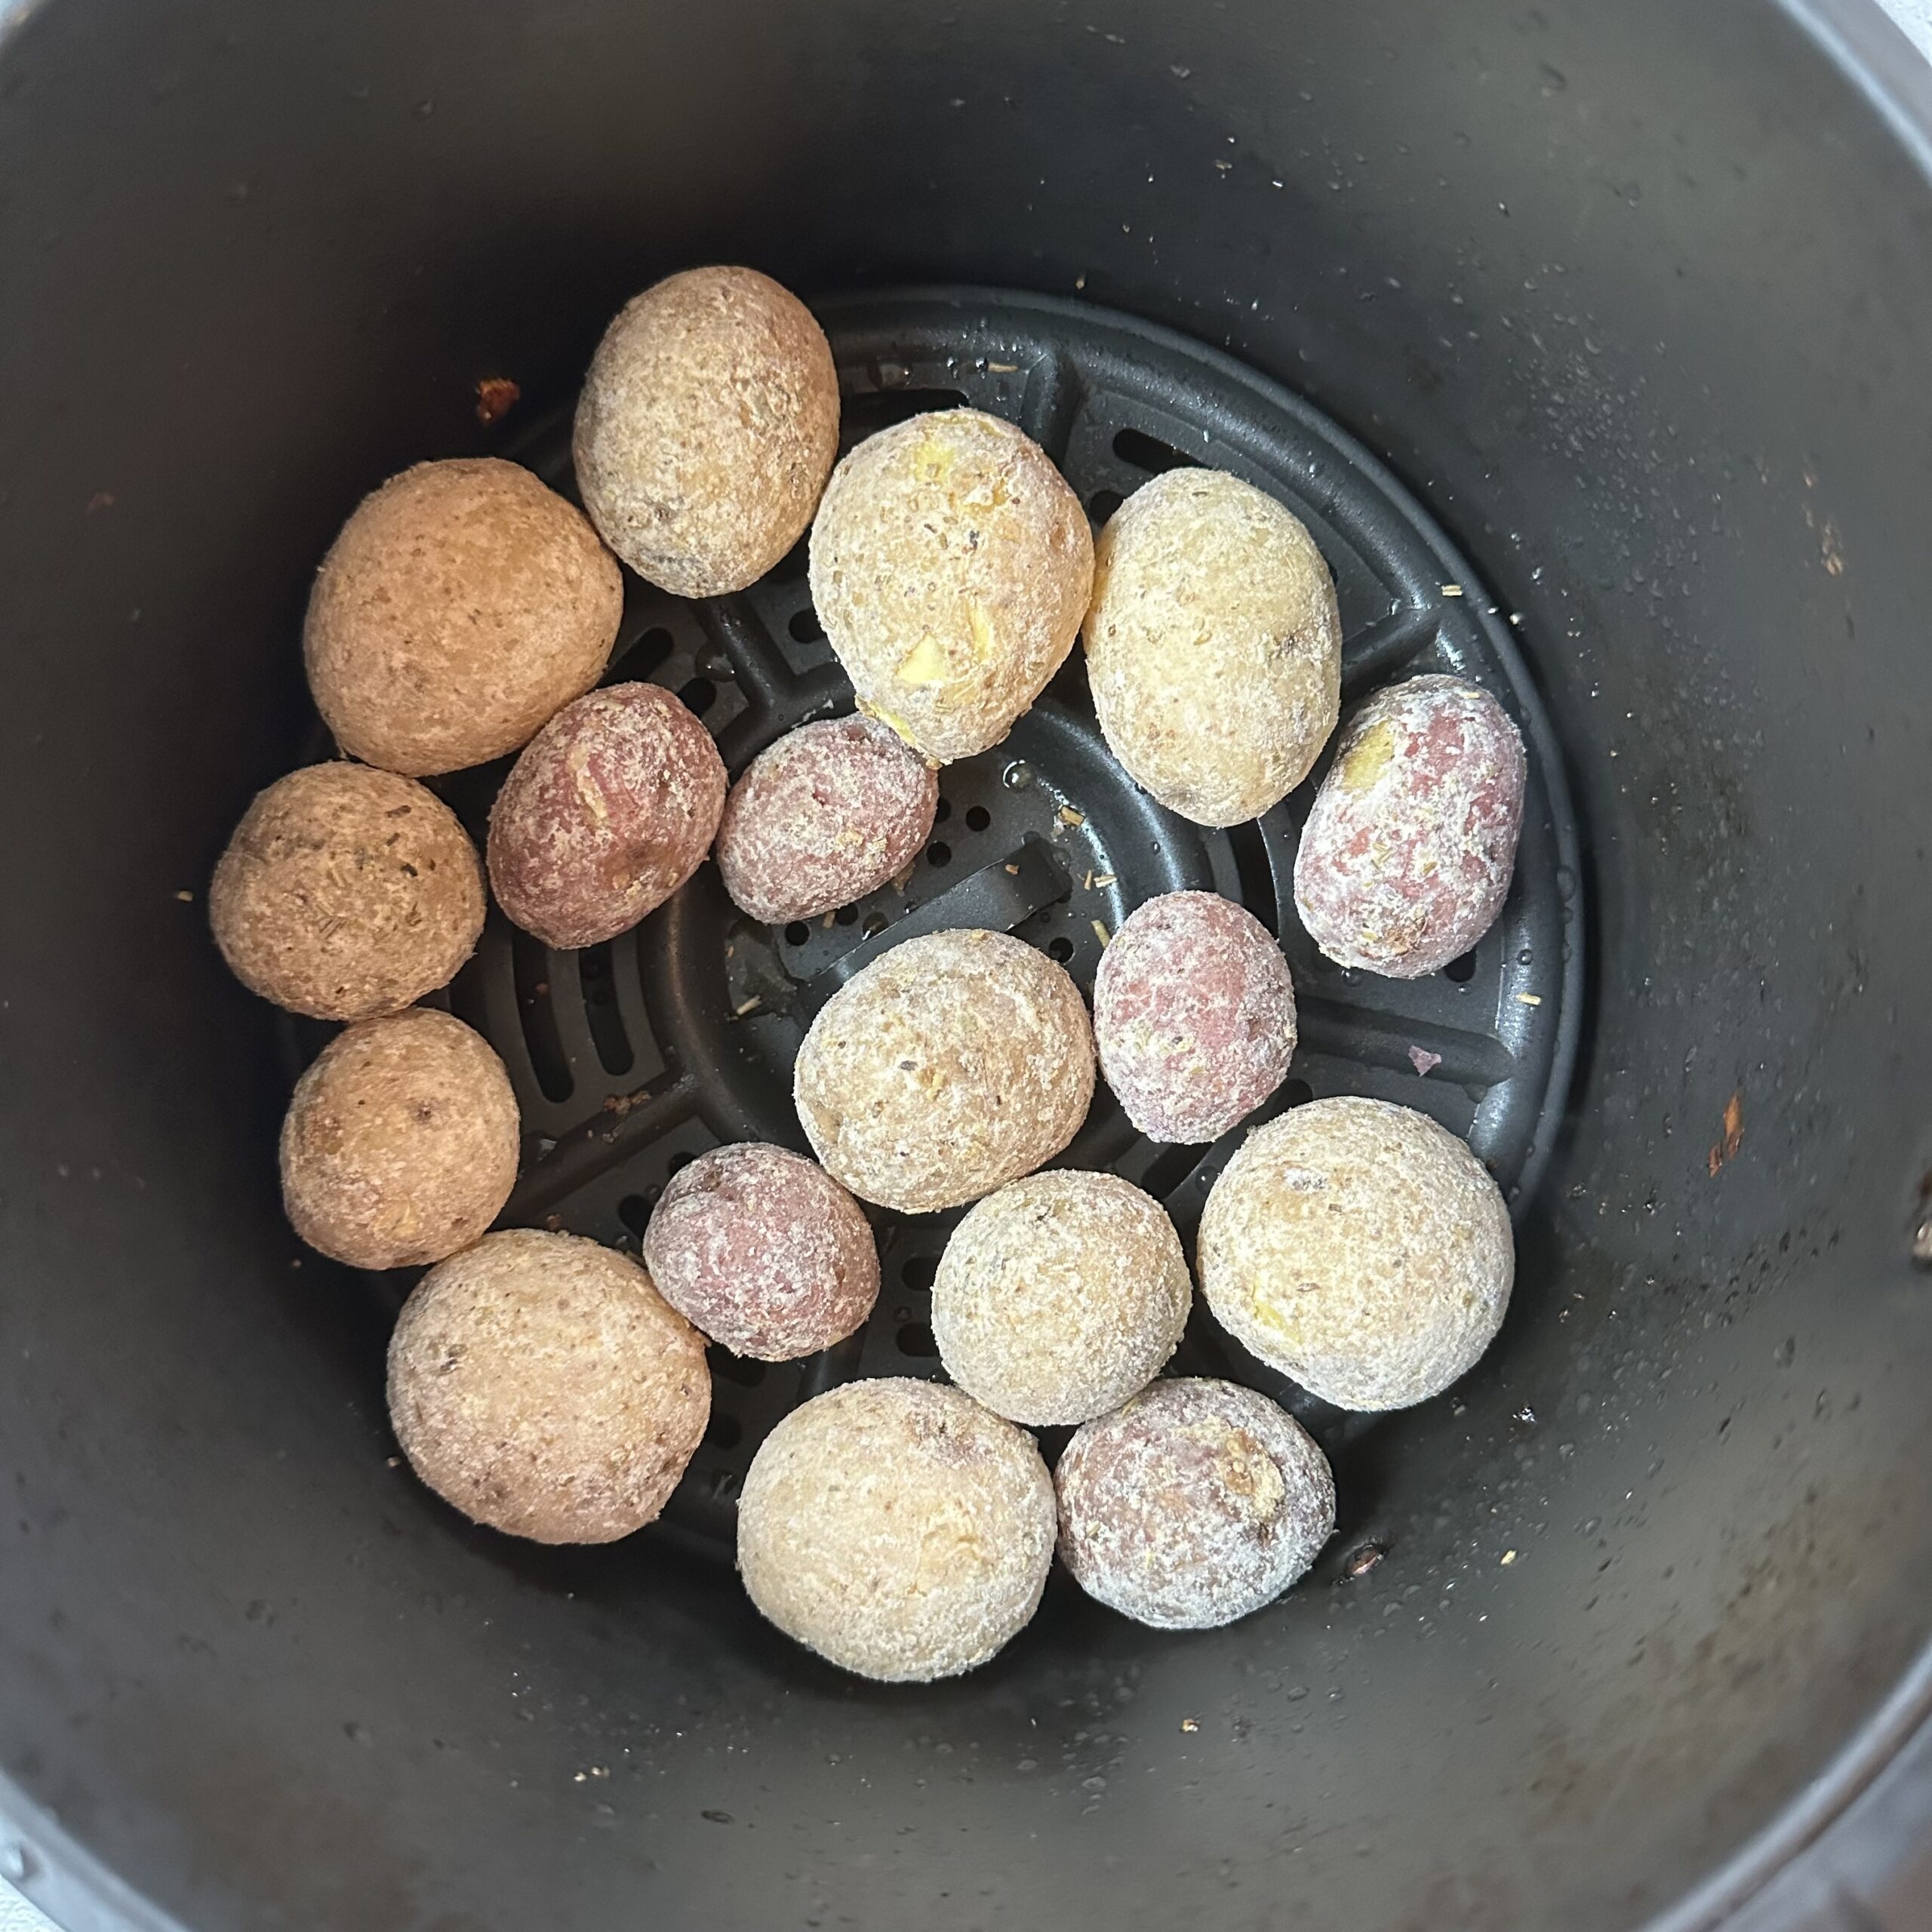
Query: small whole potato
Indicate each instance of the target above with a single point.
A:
(898, 1529)
(1060, 1296)
(1214, 645)
(708, 424)
(345, 893)
(950, 565)
(540, 1384)
(1194, 1016)
(825, 816)
(1196, 1504)
(762, 1250)
(1361, 1248)
(611, 807)
(400, 1145)
(955, 1063)
(461, 605)
(1407, 856)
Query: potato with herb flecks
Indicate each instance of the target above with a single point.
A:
(955, 1063)
(1214, 645)
(1407, 854)
(1196, 1504)
(540, 1384)
(1361, 1248)
(763, 1251)
(829, 813)
(898, 1529)
(346, 892)
(399, 1146)
(707, 426)
(462, 605)
(1058, 1296)
(950, 566)
(1194, 1016)
(611, 807)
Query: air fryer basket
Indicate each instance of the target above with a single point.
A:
(1624, 314)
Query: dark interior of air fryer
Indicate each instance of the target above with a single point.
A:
(1589, 344)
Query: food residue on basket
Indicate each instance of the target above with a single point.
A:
(1422, 1059)
(1727, 1148)
(495, 397)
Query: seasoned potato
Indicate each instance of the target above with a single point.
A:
(1196, 1504)
(1060, 1296)
(1214, 645)
(707, 426)
(956, 1063)
(763, 1251)
(950, 564)
(825, 816)
(540, 1384)
(346, 892)
(1194, 1016)
(1361, 1248)
(897, 1528)
(1407, 856)
(400, 1145)
(611, 807)
(461, 605)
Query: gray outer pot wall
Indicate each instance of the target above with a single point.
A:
(1849, 1852)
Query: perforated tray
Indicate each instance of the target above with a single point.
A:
(630, 1058)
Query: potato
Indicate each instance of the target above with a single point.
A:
(461, 605)
(827, 814)
(1060, 1296)
(956, 1062)
(707, 426)
(1214, 645)
(1196, 1504)
(1407, 856)
(345, 893)
(897, 1529)
(400, 1145)
(1361, 1248)
(950, 565)
(540, 1384)
(611, 807)
(1194, 1016)
(763, 1251)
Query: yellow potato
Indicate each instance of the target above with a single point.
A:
(1214, 645)
(950, 564)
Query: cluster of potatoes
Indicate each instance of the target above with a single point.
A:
(557, 1389)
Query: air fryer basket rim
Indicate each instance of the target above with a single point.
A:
(1845, 1836)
